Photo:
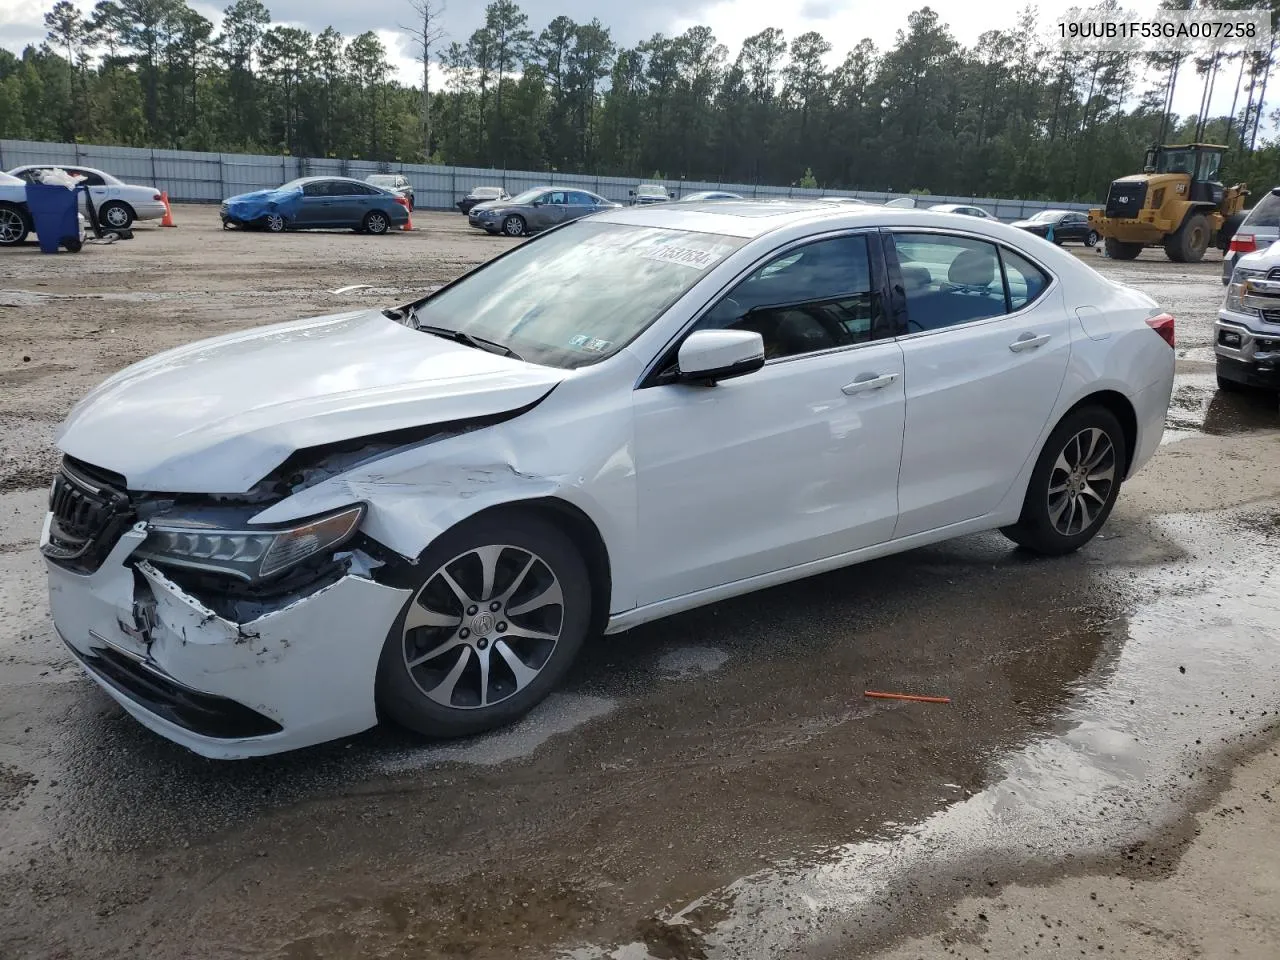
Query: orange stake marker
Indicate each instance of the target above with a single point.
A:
(906, 696)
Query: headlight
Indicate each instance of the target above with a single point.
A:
(247, 554)
(1235, 289)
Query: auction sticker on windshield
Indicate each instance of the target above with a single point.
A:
(685, 256)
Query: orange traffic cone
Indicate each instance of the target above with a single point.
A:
(168, 211)
(408, 224)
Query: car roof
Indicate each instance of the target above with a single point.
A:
(749, 219)
(67, 166)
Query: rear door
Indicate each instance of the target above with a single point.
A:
(553, 209)
(349, 201)
(985, 355)
(580, 205)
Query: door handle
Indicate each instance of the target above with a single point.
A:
(868, 383)
(1029, 341)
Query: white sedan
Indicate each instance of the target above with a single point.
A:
(275, 537)
(118, 204)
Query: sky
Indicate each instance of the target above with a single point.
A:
(843, 22)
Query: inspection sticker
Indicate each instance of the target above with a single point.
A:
(685, 256)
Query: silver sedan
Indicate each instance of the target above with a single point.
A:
(536, 209)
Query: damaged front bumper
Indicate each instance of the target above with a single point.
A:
(295, 676)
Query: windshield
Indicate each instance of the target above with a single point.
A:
(381, 180)
(294, 184)
(1176, 161)
(579, 294)
(651, 191)
(493, 192)
(528, 196)
(1044, 216)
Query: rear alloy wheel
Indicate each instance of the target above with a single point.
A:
(375, 222)
(13, 226)
(116, 215)
(276, 223)
(1092, 239)
(1191, 241)
(501, 606)
(514, 226)
(1074, 484)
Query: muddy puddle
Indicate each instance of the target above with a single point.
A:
(1192, 676)
(1199, 407)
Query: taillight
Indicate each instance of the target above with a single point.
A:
(1163, 325)
(157, 198)
(1242, 243)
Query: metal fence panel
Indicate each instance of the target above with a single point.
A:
(190, 176)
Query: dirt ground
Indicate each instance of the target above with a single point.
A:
(1104, 781)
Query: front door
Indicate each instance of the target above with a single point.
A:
(984, 366)
(552, 210)
(793, 463)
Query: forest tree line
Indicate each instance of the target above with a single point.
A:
(1008, 116)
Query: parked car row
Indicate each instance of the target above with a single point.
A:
(118, 204)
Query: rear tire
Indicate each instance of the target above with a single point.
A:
(1119, 250)
(526, 613)
(1074, 484)
(375, 222)
(114, 215)
(1191, 241)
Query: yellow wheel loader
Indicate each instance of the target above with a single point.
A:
(1177, 202)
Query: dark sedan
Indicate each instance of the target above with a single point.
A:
(313, 203)
(480, 195)
(1061, 226)
(536, 209)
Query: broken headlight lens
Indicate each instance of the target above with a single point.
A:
(247, 554)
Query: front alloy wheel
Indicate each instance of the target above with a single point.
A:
(276, 223)
(1074, 484)
(490, 629)
(13, 226)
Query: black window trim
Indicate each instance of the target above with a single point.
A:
(662, 359)
(899, 290)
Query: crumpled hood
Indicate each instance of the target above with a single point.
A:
(259, 203)
(216, 416)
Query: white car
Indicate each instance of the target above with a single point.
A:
(964, 209)
(118, 204)
(15, 216)
(275, 537)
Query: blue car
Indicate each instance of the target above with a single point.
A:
(311, 203)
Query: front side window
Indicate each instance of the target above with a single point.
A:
(817, 297)
(578, 294)
(556, 198)
(948, 280)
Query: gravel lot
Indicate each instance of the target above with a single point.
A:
(1104, 781)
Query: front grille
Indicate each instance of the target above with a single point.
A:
(1124, 200)
(1270, 316)
(90, 510)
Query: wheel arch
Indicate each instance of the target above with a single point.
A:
(1121, 408)
(585, 536)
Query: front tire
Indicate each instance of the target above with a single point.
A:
(275, 223)
(501, 605)
(1074, 484)
(514, 226)
(1119, 250)
(115, 215)
(1191, 241)
(375, 222)
(14, 225)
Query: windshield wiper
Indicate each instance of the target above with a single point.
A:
(480, 343)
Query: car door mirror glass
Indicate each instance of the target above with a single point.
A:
(707, 356)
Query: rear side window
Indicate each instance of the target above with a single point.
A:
(1266, 213)
(951, 280)
(948, 280)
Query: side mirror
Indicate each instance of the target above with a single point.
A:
(707, 356)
